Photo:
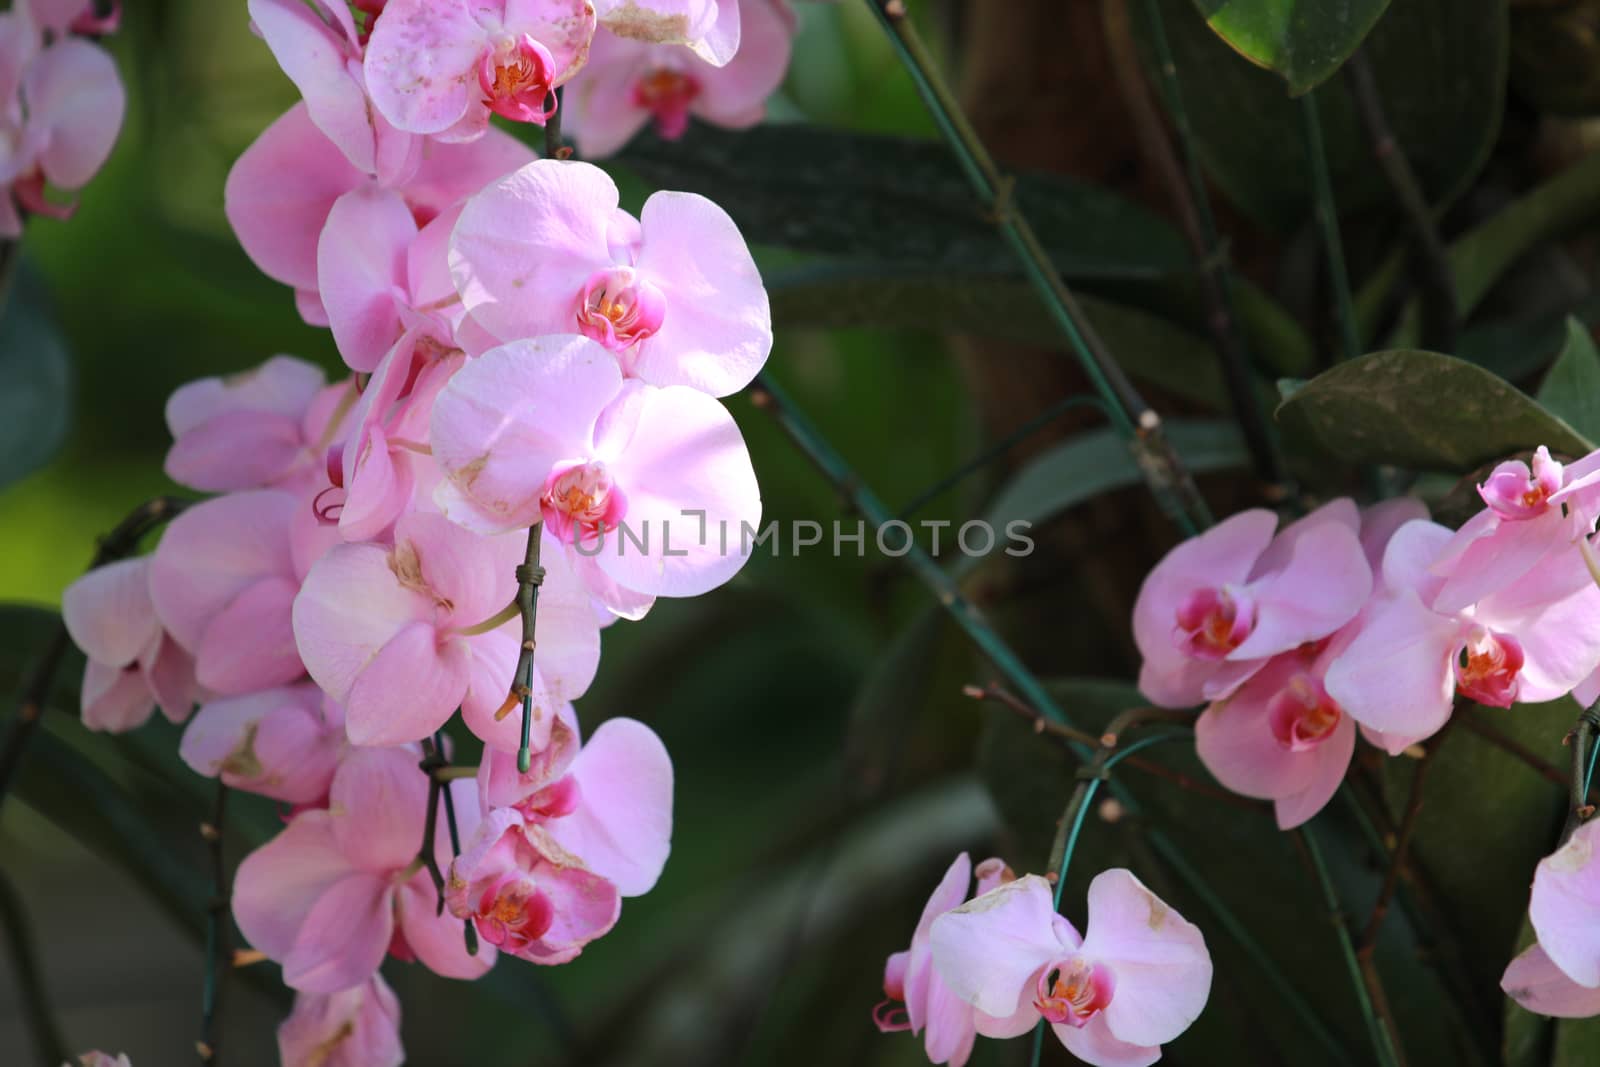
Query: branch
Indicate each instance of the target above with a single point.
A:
(1187, 188)
(440, 774)
(1440, 318)
(553, 148)
(30, 980)
(1165, 475)
(1402, 843)
(122, 540)
(529, 577)
(218, 934)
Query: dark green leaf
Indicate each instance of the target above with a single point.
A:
(1571, 390)
(899, 201)
(1440, 67)
(883, 717)
(1423, 410)
(1303, 41)
(35, 382)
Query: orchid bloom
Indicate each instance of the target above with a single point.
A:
(283, 743)
(918, 997)
(337, 889)
(355, 1027)
(281, 191)
(1533, 639)
(645, 490)
(103, 1059)
(134, 664)
(440, 67)
(402, 635)
(1559, 975)
(629, 83)
(1221, 605)
(61, 107)
(710, 28)
(1134, 981)
(675, 295)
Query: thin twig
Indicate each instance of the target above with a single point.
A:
(30, 979)
(122, 539)
(1440, 320)
(766, 394)
(553, 148)
(440, 775)
(1476, 722)
(1328, 221)
(218, 935)
(529, 577)
(1402, 844)
(1372, 1009)
(1187, 188)
(1583, 735)
(1168, 479)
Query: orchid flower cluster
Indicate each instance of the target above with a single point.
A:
(61, 105)
(527, 362)
(1004, 963)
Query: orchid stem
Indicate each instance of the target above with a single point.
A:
(1168, 479)
(122, 540)
(767, 394)
(1328, 221)
(1583, 735)
(440, 781)
(30, 979)
(218, 921)
(529, 577)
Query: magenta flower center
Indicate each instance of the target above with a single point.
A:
(667, 94)
(580, 501)
(1073, 991)
(619, 309)
(1487, 668)
(517, 79)
(513, 913)
(1302, 715)
(1213, 622)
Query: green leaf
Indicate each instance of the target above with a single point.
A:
(1571, 390)
(1304, 41)
(1482, 256)
(35, 382)
(1146, 345)
(884, 715)
(900, 201)
(1440, 66)
(1422, 410)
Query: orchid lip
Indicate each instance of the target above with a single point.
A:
(1074, 991)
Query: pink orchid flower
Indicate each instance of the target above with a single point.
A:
(710, 28)
(1220, 605)
(526, 895)
(1559, 975)
(283, 743)
(1530, 641)
(383, 466)
(1530, 513)
(440, 67)
(646, 490)
(629, 83)
(1137, 980)
(61, 107)
(1280, 737)
(337, 889)
(134, 665)
(918, 998)
(222, 580)
(676, 295)
(249, 430)
(281, 191)
(103, 1059)
(318, 47)
(609, 803)
(355, 1027)
(75, 16)
(396, 634)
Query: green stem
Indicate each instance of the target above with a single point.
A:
(30, 980)
(810, 442)
(218, 927)
(1375, 1030)
(1328, 220)
(529, 577)
(1583, 735)
(1169, 481)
